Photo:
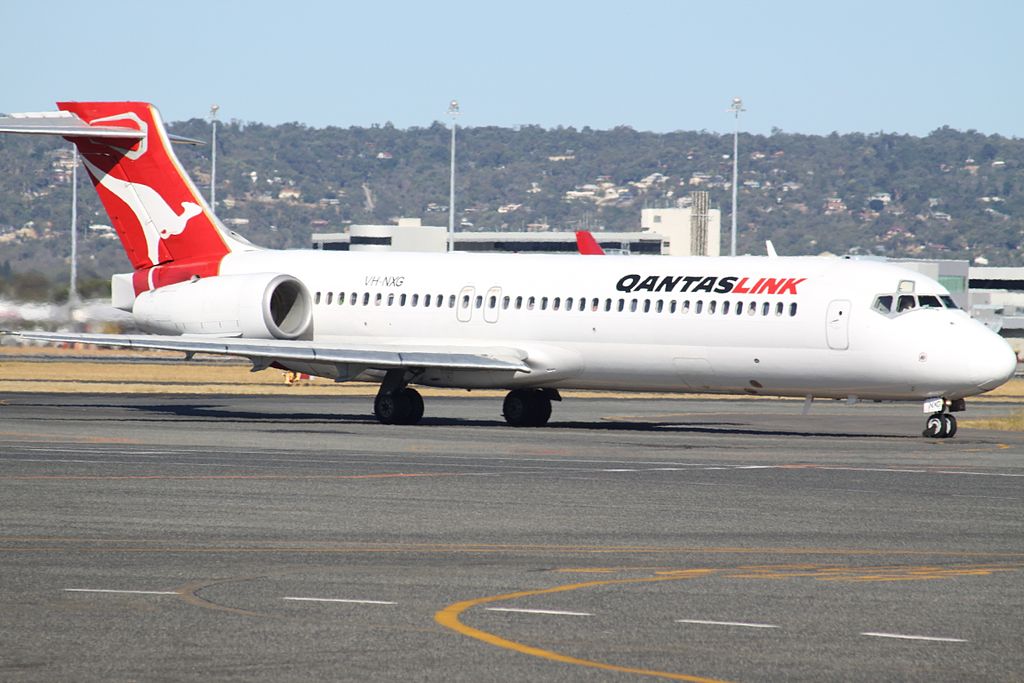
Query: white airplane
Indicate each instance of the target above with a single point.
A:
(533, 325)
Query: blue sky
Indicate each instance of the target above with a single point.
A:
(804, 67)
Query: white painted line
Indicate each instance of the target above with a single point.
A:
(356, 602)
(540, 611)
(620, 470)
(906, 637)
(108, 590)
(724, 623)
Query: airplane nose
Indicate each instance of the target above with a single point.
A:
(991, 361)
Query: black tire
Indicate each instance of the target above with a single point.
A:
(527, 408)
(392, 408)
(935, 427)
(541, 409)
(415, 403)
(950, 426)
(516, 408)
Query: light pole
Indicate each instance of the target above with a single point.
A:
(735, 108)
(73, 286)
(213, 159)
(453, 111)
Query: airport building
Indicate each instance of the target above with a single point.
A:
(673, 231)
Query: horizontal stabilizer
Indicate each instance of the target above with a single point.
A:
(64, 123)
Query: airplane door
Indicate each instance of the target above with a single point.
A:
(837, 325)
(491, 303)
(464, 306)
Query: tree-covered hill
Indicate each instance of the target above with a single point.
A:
(950, 194)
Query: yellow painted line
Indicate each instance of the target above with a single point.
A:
(449, 618)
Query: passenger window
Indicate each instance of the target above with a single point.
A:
(401, 300)
(519, 302)
(330, 298)
(778, 308)
(725, 307)
(647, 305)
(465, 300)
(622, 305)
(568, 303)
(607, 305)
(353, 298)
(583, 304)
(699, 306)
(391, 299)
(415, 300)
(505, 302)
(660, 306)
(883, 304)
(543, 303)
(925, 301)
(479, 301)
(555, 303)
(530, 303)
(672, 306)
(905, 303)
(712, 305)
(451, 301)
(633, 305)
(341, 298)
(378, 298)
(366, 299)
(492, 302)
(792, 310)
(316, 298)
(765, 308)
(686, 306)
(751, 308)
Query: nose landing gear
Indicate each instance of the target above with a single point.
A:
(940, 424)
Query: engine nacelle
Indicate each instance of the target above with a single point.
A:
(257, 306)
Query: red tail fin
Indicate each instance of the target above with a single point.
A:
(154, 206)
(587, 245)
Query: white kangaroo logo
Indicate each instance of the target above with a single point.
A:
(155, 215)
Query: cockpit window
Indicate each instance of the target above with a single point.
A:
(883, 303)
(905, 303)
(948, 300)
(929, 301)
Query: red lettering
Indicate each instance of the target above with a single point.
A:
(740, 287)
(769, 286)
(790, 286)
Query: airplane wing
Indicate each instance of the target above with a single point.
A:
(263, 352)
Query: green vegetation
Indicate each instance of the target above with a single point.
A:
(950, 194)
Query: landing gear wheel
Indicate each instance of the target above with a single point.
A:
(949, 424)
(940, 426)
(403, 407)
(415, 402)
(527, 408)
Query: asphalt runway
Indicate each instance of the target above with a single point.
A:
(240, 538)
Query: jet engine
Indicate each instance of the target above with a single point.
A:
(256, 306)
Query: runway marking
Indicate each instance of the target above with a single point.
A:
(346, 600)
(110, 590)
(906, 637)
(449, 617)
(620, 470)
(83, 439)
(724, 623)
(202, 477)
(539, 611)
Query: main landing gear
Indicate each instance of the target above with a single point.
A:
(396, 403)
(529, 407)
(942, 425)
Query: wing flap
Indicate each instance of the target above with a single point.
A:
(269, 350)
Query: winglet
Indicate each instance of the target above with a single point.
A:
(587, 245)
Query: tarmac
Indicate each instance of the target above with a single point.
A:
(182, 537)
